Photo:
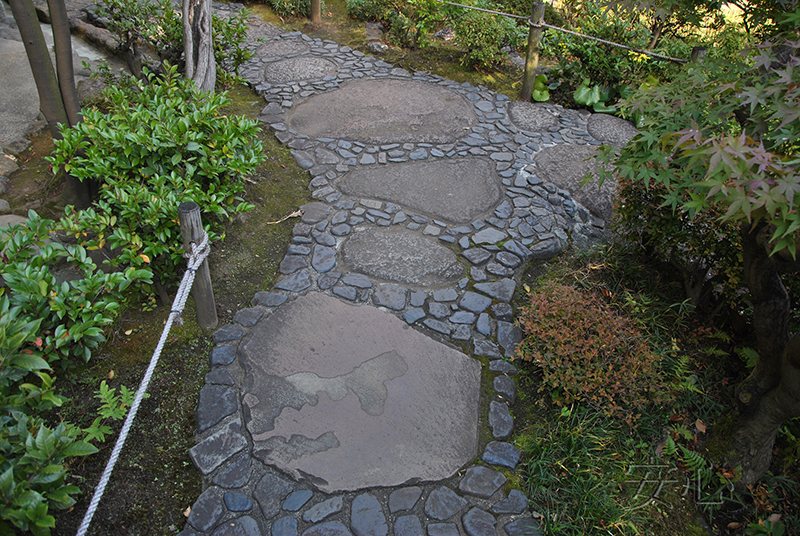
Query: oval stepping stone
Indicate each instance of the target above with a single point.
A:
(366, 516)
(501, 454)
(500, 420)
(478, 522)
(404, 499)
(408, 526)
(237, 502)
(481, 482)
(324, 258)
(443, 503)
(300, 68)
(515, 503)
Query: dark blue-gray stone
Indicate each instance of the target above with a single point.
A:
(241, 526)
(500, 420)
(297, 500)
(462, 317)
(516, 248)
(508, 336)
(324, 239)
(332, 528)
(484, 325)
(515, 503)
(505, 209)
(477, 274)
(207, 510)
(439, 310)
(443, 503)
(237, 502)
(408, 526)
(476, 256)
(502, 290)
(296, 282)
(324, 259)
(414, 314)
(505, 387)
(301, 229)
(314, 212)
(481, 481)
(235, 474)
(291, 263)
(501, 454)
(391, 296)
(340, 217)
(503, 311)
(366, 516)
(445, 295)
(227, 333)
(248, 317)
(404, 499)
(417, 298)
(478, 522)
(462, 332)
(284, 526)
(523, 526)
(489, 235)
(357, 280)
(486, 348)
(472, 301)
(219, 376)
(216, 403)
(508, 259)
(326, 281)
(320, 511)
(437, 325)
(463, 242)
(268, 299)
(341, 230)
(546, 250)
(499, 270)
(443, 529)
(270, 492)
(348, 293)
(303, 159)
(502, 366)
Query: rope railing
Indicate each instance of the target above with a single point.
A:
(543, 24)
(195, 259)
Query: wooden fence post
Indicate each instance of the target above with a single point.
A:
(532, 55)
(316, 12)
(203, 293)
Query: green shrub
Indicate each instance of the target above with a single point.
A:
(292, 8)
(368, 10)
(160, 144)
(482, 35)
(589, 354)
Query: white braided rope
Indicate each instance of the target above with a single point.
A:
(196, 258)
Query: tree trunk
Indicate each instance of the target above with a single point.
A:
(771, 395)
(64, 69)
(198, 44)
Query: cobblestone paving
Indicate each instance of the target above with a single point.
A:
(450, 278)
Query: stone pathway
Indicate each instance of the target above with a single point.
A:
(349, 399)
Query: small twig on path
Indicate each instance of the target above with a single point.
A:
(292, 215)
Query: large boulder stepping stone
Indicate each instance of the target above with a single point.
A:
(458, 190)
(342, 416)
(401, 256)
(610, 129)
(370, 111)
(565, 165)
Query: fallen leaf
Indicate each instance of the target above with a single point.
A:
(145, 258)
(774, 518)
(111, 374)
(701, 426)
(187, 512)
(128, 332)
(734, 525)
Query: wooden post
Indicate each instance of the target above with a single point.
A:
(316, 12)
(532, 55)
(203, 293)
(698, 53)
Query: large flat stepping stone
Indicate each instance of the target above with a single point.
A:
(565, 165)
(298, 69)
(372, 111)
(401, 256)
(532, 117)
(610, 129)
(278, 48)
(458, 190)
(348, 397)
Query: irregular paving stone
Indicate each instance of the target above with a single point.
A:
(222, 355)
(499, 270)
(408, 526)
(284, 526)
(414, 314)
(503, 311)
(489, 235)
(546, 250)
(501, 454)
(484, 324)
(348, 293)
(518, 249)
(486, 348)
(508, 259)
(523, 526)
(515, 503)
(268, 299)
(445, 295)
(463, 317)
(472, 301)
(477, 256)
(478, 522)
(443, 503)
(366, 516)
(241, 526)
(481, 482)
(417, 298)
(296, 282)
(207, 509)
(324, 258)
(303, 159)
(502, 366)
(235, 474)
(291, 263)
(443, 529)
(501, 290)
(508, 336)
(500, 420)
(219, 376)
(324, 239)
(504, 210)
(437, 325)
(227, 333)
(320, 511)
(237, 502)
(296, 500)
(462, 332)
(219, 447)
(341, 230)
(332, 528)
(505, 387)
(327, 280)
(390, 296)
(404, 499)
(357, 280)
(270, 493)
(216, 403)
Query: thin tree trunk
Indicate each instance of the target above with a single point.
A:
(198, 44)
(64, 69)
